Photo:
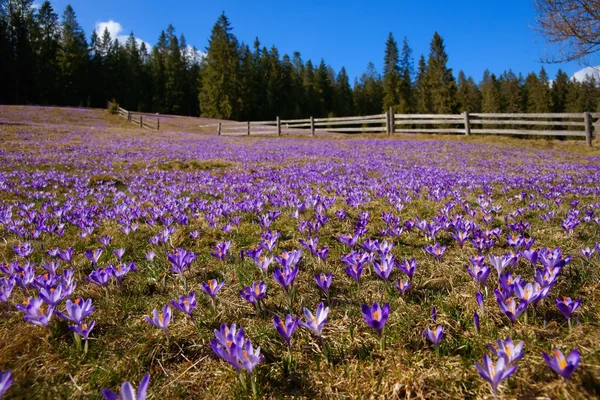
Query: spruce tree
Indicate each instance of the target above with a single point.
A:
(511, 93)
(468, 95)
(441, 82)
(72, 60)
(47, 50)
(491, 100)
(391, 74)
(406, 77)
(539, 99)
(423, 94)
(220, 89)
(342, 100)
(559, 91)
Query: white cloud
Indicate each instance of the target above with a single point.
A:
(198, 56)
(587, 73)
(116, 31)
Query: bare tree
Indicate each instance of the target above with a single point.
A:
(574, 25)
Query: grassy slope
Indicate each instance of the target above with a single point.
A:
(124, 346)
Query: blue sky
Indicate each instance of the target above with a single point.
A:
(478, 34)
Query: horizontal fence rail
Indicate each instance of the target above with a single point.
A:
(542, 124)
(139, 119)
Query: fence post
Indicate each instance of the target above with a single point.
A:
(312, 126)
(158, 124)
(467, 123)
(219, 130)
(392, 121)
(387, 122)
(587, 119)
(278, 126)
(248, 128)
(141, 121)
(128, 116)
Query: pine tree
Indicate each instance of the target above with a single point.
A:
(559, 91)
(72, 60)
(342, 100)
(423, 94)
(391, 75)
(406, 77)
(539, 99)
(21, 34)
(468, 95)
(510, 93)
(158, 61)
(47, 50)
(441, 82)
(220, 89)
(174, 75)
(491, 100)
(369, 92)
(323, 90)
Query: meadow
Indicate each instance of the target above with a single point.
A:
(104, 227)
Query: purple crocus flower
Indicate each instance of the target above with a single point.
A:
(531, 256)
(480, 273)
(289, 258)
(349, 239)
(495, 373)
(119, 253)
(51, 296)
(180, 259)
(247, 357)
(587, 253)
(561, 365)
(479, 299)
(150, 254)
(509, 307)
(5, 381)
(436, 250)
(255, 292)
(93, 255)
(324, 281)
(77, 310)
(285, 328)
(262, 262)
(99, 276)
(220, 250)
(34, 311)
(322, 253)
(286, 276)
(317, 321)
(476, 321)
(408, 267)
(376, 316)
(7, 284)
(120, 270)
(161, 319)
(23, 250)
(104, 241)
(128, 392)
(567, 306)
(403, 285)
(83, 330)
(434, 336)
(185, 304)
(384, 268)
(433, 314)
(508, 350)
(212, 287)
(66, 255)
(354, 272)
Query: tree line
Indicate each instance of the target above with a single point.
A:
(48, 60)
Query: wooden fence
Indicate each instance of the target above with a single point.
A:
(138, 119)
(547, 124)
